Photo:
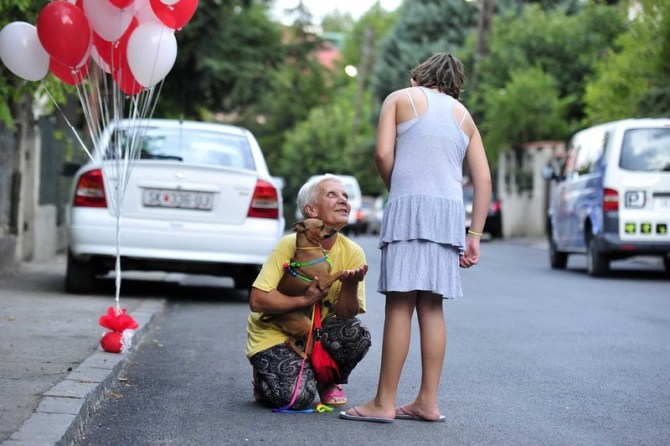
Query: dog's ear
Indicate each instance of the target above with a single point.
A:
(299, 226)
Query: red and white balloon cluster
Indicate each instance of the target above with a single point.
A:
(132, 40)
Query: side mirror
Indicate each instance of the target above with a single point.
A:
(548, 173)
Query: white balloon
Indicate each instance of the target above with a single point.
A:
(108, 21)
(144, 12)
(21, 51)
(152, 51)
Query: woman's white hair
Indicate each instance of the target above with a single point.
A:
(309, 191)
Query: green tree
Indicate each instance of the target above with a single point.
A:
(322, 143)
(632, 79)
(528, 108)
(227, 53)
(297, 85)
(337, 22)
(423, 28)
(562, 46)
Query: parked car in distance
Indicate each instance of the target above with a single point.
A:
(612, 195)
(375, 224)
(367, 213)
(493, 224)
(200, 199)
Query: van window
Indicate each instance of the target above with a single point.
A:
(646, 149)
(590, 149)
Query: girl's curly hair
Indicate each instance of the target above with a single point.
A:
(442, 71)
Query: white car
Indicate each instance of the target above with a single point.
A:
(200, 199)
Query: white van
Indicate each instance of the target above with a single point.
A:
(612, 197)
(355, 199)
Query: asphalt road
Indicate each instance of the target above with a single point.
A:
(535, 357)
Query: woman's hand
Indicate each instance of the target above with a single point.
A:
(351, 277)
(347, 305)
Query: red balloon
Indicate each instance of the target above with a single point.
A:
(121, 70)
(113, 52)
(112, 342)
(105, 48)
(69, 75)
(121, 3)
(174, 16)
(64, 32)
(126, 81)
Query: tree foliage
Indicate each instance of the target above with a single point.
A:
(227, 54)
(528, 108)
(563, 47)
(632, 79)
(423, 28)
(324, 143)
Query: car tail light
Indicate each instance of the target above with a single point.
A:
(610, 200)
(359, 215)
(90, 191)
(265, 202)
(494, 207)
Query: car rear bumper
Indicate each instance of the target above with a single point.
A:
(174, 241)
(612, 244)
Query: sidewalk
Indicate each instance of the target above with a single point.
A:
(53, 371)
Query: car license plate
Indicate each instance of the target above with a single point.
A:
(177, 199)
(662, 201)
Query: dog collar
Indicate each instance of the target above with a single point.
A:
(291, 265)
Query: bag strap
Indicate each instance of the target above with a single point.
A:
(317, 315)
(314, 332)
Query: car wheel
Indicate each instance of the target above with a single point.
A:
(597, 265)
(497, 233)
(557, 259)
(79, 276)
(245, 279)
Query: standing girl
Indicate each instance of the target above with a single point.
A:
(424, 135)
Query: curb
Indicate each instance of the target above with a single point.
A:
(65, 408)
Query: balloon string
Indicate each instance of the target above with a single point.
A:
(67, 121)
(117, 268)
(103, 104)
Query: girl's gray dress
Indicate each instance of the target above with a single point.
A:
(423, 229)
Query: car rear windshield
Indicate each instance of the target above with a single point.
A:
(646, 149)
(190, 146)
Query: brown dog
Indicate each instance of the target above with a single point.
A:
(309, 261)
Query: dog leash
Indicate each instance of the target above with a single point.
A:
(287, 408)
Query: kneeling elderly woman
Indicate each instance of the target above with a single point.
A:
(276, 365)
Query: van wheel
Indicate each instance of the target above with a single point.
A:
(79, 276)
(597, 265)
(558, 259)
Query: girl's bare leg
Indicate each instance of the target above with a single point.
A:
(395, 345)
(433, 332)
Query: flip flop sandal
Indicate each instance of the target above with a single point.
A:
(407, 415)
(358, 416)
(333, 396)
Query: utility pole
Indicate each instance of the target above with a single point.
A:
(486, 9)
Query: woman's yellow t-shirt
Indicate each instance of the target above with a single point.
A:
(344, 255)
